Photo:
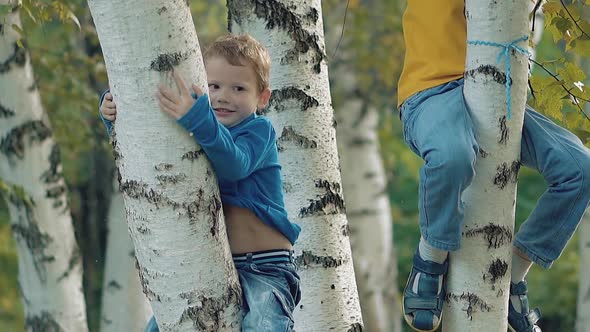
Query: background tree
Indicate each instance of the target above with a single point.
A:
(50, 274)
(355, 78)
(124, 306)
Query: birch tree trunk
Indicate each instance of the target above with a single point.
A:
(300, 109)
(367, 209)
(124, 306)
(583, 312)
(50, 272)
(171, 195)
(479, 274)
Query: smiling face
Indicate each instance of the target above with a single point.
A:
(233, 91)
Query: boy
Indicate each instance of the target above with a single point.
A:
(242, 149)
(438, 128)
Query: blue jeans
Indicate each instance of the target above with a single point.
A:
(270, 291)
(438, 128)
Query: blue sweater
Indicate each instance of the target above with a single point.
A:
(245, 159)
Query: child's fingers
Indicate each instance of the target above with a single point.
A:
(108, 96)
(109, 111)
(164, 101)
(168, 94)
(109, 104)
(167, 109)
(197, 90)
(109, 117)
(180, 83)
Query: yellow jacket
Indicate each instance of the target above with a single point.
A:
(435, 36)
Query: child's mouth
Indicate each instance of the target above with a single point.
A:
(223, 111)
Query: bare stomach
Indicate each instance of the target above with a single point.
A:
(247, 233)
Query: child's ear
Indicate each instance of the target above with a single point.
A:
(263, 98)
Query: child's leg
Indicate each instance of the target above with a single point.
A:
(270, 287)
(438, 128)
(564, 162)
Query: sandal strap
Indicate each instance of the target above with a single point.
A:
(430, 267)
(518, 288)
(423, 303)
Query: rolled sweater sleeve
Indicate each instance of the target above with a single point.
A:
(236, 152)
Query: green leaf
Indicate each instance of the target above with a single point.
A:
(571, 73)
(552, 8)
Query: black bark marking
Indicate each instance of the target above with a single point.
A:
(52, 175)
(276, 14)
(192, 155)
(505, 174)
(496, 271)
(161, 10)
(488, 71)
(362, 213)
(495, 235)
(332, 199)
(1, 29)
(18, 57)
(175, 178)
(278, 96)
(359, 142)
(13, 143)
(75, 261)
(369, 175)
(345, 230)
(207, 314)
(167, 61)
(356, 327)
(290, 135)
(473, 302)
(42, 322)
(145, 284)
(214, 209)
(139, 190)
(5, 112)
(483, 153)
(163, 167)
(116, 150)
(36, 241)
(504, 131)
(113, 285)
(307, 258)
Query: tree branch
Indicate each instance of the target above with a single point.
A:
(568, 91)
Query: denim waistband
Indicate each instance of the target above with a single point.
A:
(267, 256)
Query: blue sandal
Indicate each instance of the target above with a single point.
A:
(527, 320)
(422, 306)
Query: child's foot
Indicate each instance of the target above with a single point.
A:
(424, 294)
(520, 317)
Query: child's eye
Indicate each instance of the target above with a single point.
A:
(239, 88)
(213, 86)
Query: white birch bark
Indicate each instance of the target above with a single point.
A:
(170, 191)
(367, 208)
(479, 274)
(583, 310)
(301, 111)
(124, 306)
(50, 270)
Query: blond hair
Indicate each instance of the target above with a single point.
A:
(243, 50)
